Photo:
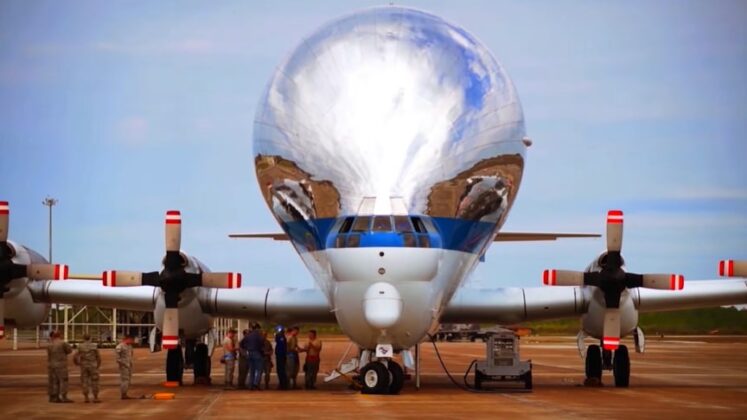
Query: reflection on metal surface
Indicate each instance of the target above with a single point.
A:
(389, 102)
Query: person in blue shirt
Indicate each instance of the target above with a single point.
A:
(281, 352)
(253, 345)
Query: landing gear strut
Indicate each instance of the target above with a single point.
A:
(382, 378)
(598, 360)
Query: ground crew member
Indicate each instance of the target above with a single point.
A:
(123, 353)
(293, 359)
(57, 352)
(253, 345)
(229, 357)
(281, 354)
(243, 363)
(50, 373)
(88, 358)
(267, 359)
(311, 367)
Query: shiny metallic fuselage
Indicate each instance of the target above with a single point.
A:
(393, 105)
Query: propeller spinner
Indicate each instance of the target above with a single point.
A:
(173, 279)
(10, 271)
(612, 280)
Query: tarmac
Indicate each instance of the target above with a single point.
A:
(696, 377)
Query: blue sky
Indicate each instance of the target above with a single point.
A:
(125, 109)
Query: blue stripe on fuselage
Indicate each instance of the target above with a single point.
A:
(452, 234)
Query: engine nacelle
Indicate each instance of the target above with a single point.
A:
(20, 308)
(593, 321)
(193, 322)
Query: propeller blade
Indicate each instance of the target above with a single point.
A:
(731, 268)
(221, 280)
(614, 230)
(664, 281)
(562, 278)
(611, 335)
(47, 271)
(2, 318)
(170, 337)
(4, 220)
(173, 230)
(114, 278)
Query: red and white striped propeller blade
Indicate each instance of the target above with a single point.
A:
(732, 268)
(2, 318)
(221, 280)
(664, 281)
(614, 230)
(4, 220)
(611, 334)
(562, 278)
(170, 338)
(173, 230)
(47, 271)
(116, 278)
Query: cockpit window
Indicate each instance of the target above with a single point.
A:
(419, 226)
(361, 224)
(382, 224)
(345, 228)
(402, 224)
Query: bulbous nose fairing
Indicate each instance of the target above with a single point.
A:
(389, 102)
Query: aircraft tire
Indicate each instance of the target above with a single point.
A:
(175, 365)
(397, 377)
(621, 367)
(375, 379)
(594, 363)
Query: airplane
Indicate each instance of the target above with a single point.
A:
(390, 146)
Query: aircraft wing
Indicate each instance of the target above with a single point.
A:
(508, 305)
(512, 305)
(277, 305)
(500, 237)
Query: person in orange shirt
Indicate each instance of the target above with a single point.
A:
(313, 349)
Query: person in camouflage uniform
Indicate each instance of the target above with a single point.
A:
(89, 360)
(57, 352)
(124, 361)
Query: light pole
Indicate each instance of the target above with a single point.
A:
(50, 202)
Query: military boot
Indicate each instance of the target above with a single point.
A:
(96, 399)
(87, 400)
(54, 399)
(65, 399)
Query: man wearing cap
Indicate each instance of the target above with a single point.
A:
(123, 353)
(57, 366)
(229, 357)
(281, 353)
(87, 356)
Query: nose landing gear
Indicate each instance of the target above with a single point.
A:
(382, 377)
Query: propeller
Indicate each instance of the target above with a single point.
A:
(732, 268)
(612, 280)
(10, 271)
(173, 279)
